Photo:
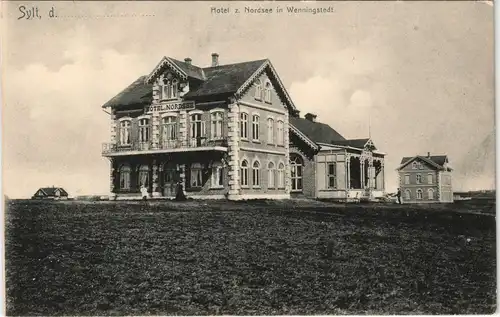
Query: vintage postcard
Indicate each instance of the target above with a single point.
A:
(248, 158)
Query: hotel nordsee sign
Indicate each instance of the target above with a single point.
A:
(172, 106)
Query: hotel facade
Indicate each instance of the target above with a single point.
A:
(229, 132)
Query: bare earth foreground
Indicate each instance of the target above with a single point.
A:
(266, 258)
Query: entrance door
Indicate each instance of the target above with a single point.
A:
(169, 182)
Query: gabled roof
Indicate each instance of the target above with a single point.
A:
(437, 161)
(51, 191)
(316, 131)
(221, 81)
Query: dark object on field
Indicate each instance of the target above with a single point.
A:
(399, 196)
(179, 196)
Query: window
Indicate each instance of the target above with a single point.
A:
(143, 179)
(407, 179)
(143, 130)
(125, 132)
(255, 127)
(419, 179)
(217, 177)
(296, 172)
(281, 175)
(332, 175)
(258, 89)
(429, 178)
(267, 93)
(414, 165)
(256, 174)
(271, 175)
(407, 194)
(125, 177)
(197, 126)
(196, 175)
(244, 173)
(270, 130)
(217, 121)
(430, 194)
(169, 87)
(420, 166)
(244, 125)
(419, 194)
(280, 132)
(169, 129)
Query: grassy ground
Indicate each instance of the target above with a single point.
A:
(266, 258)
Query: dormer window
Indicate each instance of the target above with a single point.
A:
(267, 93)
(169, 88)
(258, 90)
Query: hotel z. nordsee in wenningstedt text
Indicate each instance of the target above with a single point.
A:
(229, 131)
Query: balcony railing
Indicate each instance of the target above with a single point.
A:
(109, 148)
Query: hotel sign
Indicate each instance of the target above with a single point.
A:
(176, 106)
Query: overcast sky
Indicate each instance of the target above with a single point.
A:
(424, 70)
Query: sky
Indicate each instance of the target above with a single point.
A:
(418, 75)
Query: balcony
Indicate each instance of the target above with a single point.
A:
(165, 146)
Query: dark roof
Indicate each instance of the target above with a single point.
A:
(437, 159)
(356, 143)
(316, 131)
(220, 80)
(137, 93)
(225, 79)
(51, 191)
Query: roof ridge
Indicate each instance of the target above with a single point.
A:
(238, 63)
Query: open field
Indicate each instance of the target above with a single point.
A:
(266, 258)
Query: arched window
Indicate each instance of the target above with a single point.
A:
(169, 87)
(217, 123)
(197, 126)
(125, 132)
(143, 179)
(244, 173)
(430, 194)
(414, 165)
(429, 178)
(143, 130)
(419, 179)
(256, 174)
(271, 175)
(419, 194)
(258, 89)
(296, 165)
(280, 134)
(255, 127)
(124, 177)
(244, 125)
(270, 130)
(281, 175)
(267, 94)
(407, 194)
(169, 131)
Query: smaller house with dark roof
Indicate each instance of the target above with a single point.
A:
(54, 193)
(426, 179)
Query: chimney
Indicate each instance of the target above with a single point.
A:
(215, 59)
(311, 117)
(428, 154)
(188, 60)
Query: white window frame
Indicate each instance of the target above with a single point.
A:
(271, 175)
(414, 165)
(216, 124)
(255, 127)
(125, 131)
(296, 173)
(217, 180)
(143, 170)
(418, 179)
(270, 130)
(256, 174)
(244, 173)
(144, 129)
(430, 194)
(196, 119)
(258, 89)
(169, 88)
(125, 172)
(330, 176)
(244, 125)
(281, 175)
(407, 179)
(419, 193)
(169, 129)
(430, 179)
(267, 92)
(407, 194)
(196, 175)
(280, 132)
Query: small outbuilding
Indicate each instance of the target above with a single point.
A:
(55, 193)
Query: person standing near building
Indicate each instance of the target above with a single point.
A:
(144, 192)
(399, 196)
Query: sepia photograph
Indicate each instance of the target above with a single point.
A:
(248, 158)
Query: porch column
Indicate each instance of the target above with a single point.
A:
(371, 174)
(183, 128)
(112, 175)
(362, 171)
(182, 176)
(233, 135)
(382, 174)
(155, 130)
(156, 192)
(348, 163)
